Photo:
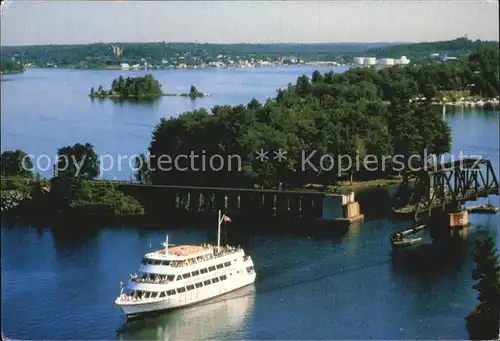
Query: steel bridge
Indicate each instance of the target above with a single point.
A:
(438, 187)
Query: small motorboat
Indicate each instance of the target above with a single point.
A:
(398, 240)
(487, 208)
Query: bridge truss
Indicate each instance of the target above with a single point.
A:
(456, 182)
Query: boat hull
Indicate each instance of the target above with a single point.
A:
(134, 310)
(407, 243)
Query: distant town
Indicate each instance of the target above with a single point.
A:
(188, 61)
(151, 56)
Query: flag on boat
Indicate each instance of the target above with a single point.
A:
(227, 219)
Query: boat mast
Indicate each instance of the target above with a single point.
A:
(218, 231)
(166, 245)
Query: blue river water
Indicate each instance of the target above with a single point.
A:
(342, 286)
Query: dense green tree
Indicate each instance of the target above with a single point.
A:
(194, 93)
(484, 67)
(317, 77)
(143, 172)
(483, 323)
(93, 195)
(77, 162)
(11, 66)
(145, 87)
(16, 163)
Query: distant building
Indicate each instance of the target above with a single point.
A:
(117, 51)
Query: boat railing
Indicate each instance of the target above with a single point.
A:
(138, 279)
(130, 298)
(223, 251)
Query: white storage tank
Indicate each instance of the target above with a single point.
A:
(370, 60)
(359, 60)
(386, 61)
(404, 61)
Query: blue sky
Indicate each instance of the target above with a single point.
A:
(75, 22)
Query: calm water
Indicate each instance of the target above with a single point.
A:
(338, 287)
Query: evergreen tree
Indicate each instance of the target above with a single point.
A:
(483, 322)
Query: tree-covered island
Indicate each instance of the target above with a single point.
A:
(142, 87)
(138, 88)
(194, 93)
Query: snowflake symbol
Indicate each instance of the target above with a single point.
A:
(280, 155)
(262, 155)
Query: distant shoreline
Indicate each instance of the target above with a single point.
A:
(189, 68)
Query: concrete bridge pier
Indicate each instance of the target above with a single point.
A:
(341, 208)
(459, 219)
(445, 223)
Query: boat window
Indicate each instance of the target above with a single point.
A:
(146, 295)
(190, 287)
(195, 273)
(157, 262)
(204, 270)
(211, 268)
(220, 266)
(162, 294)
(186, 275)
(171, 292)
(215, 280)
(223, 277)
(226, 264)
(198, 285)
(165, 262)
(170, 277)
(179, 278)
(144, 261)
(207, 282)
(182, 289)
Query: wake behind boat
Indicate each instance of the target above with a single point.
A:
(185, 274)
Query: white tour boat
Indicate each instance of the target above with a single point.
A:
(180, 275)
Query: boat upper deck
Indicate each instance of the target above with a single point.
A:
(182, 252)
(187, 252)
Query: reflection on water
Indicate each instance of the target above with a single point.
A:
(222, 317)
